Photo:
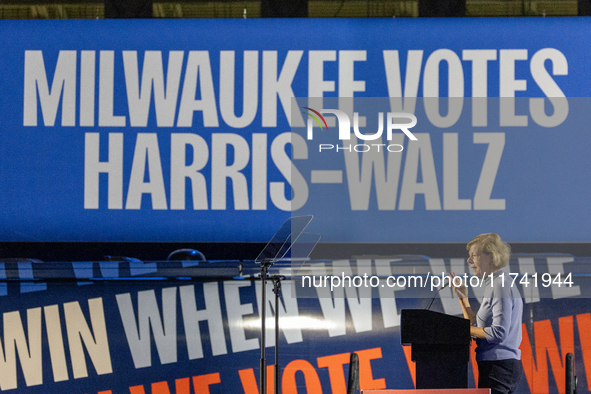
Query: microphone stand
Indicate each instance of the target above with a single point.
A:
(264, 273)
(435, 296)
(276, 289)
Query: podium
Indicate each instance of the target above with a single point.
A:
(440, 348)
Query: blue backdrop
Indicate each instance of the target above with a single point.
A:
(161, 130)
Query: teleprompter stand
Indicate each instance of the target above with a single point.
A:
(282, 246)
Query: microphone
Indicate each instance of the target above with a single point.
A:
(435, 296)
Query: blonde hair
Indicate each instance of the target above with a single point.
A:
(491, 243)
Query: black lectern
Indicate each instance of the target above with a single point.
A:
(440, 347)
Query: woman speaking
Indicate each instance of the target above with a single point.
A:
(496, 326)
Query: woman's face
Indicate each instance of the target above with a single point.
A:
(480, 262)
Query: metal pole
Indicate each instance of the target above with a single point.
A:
(276, 288)
(263, 309)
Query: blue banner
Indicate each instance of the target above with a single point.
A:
(183, 130)
(118, 327)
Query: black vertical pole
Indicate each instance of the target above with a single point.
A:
(276, 288)
(263, 328)
(571, 379)
(353, 381)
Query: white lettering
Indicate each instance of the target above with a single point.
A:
(146, 150)
(549, 87)
(451, 175)
(198, 69)
(180, 171)
(29, 353)
(274, 86)
(398, 102)
(212, 313)
(106, 87)
(496, 144)
(64, 80)
(299, 187)
(139, 99)
(93, 167)
(97, 346)
(479, 59)
(508, 85)
(236, 310)
(419, 150)
(150, 321)
(221, 170)
(250, 88)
